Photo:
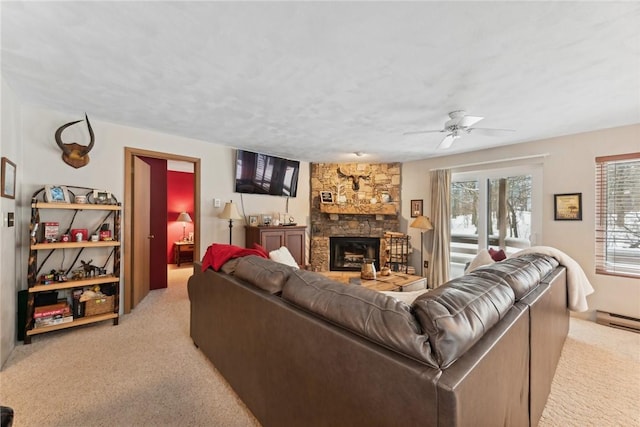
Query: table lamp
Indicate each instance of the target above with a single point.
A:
(424, 224)
(184, 217)
(230, 212)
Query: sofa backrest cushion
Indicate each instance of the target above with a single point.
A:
(522, 273)
(263, 273)
(229, 267)
(370, 314)
(457, 314)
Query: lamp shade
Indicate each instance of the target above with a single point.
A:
(230, 211)
(184, 217)
(422, 222)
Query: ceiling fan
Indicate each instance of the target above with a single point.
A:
(457, 125)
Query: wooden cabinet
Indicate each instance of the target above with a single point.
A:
(66, 275)
(271, 238)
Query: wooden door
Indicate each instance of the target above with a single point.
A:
(141, 231)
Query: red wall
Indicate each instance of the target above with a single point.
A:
(180, 191)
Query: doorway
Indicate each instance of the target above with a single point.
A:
(131, 267)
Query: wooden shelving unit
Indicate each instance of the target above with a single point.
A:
(36, 247)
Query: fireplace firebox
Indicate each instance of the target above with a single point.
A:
(348, 253)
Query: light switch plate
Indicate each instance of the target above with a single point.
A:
(216, 203)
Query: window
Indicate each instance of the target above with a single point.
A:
(618, 215)
(493, 208)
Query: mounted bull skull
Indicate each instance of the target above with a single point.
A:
(74, 154)
(355, 179)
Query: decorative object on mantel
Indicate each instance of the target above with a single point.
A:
(424, 224)
(355, 179)
(340, 195)
(74, 154)
(230, 212)
(184, 217)
(416, 208)
(326, 197)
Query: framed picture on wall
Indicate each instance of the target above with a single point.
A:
(416, 208)
(8, 179)
(567, 207)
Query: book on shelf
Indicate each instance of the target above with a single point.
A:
(52, 320)
(51, 309)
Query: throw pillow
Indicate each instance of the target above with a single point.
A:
(497, 255)
(483, 258)
(283, 256)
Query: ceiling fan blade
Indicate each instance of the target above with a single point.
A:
(446, 142)
(467, 121)
(415, 132)
(489, 132)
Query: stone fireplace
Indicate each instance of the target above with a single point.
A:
(349, 253)
(365, 204)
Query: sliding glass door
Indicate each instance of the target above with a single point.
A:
(497, 209)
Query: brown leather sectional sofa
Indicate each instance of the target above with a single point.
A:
(302, 350)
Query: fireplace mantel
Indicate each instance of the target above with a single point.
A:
(362, 209)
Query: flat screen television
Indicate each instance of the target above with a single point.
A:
(264, 174)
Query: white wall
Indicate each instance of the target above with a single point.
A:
(568, 168)
(43, 165)
(9, 236)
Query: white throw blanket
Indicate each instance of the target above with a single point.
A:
(578, 285)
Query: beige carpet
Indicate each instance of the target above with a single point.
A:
(147, 372)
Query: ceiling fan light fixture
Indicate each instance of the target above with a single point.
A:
(359, 153)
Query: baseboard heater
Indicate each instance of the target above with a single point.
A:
(618, 321)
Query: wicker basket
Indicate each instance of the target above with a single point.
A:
(96, 306)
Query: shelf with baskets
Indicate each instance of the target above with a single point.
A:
(65, 290)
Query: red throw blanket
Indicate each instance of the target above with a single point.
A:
(217, 254)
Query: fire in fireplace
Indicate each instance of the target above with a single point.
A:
(348, 253)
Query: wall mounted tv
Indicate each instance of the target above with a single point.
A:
(263, 174)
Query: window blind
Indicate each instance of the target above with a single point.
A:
(618, 215)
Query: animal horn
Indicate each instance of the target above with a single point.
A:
(93, 137)
(65, 150)
(74, 154)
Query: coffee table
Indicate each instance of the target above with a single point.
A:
(398, 282)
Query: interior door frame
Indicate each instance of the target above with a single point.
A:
(129, 154)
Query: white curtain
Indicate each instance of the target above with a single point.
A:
(440, 214)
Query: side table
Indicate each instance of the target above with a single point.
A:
(182, 251)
